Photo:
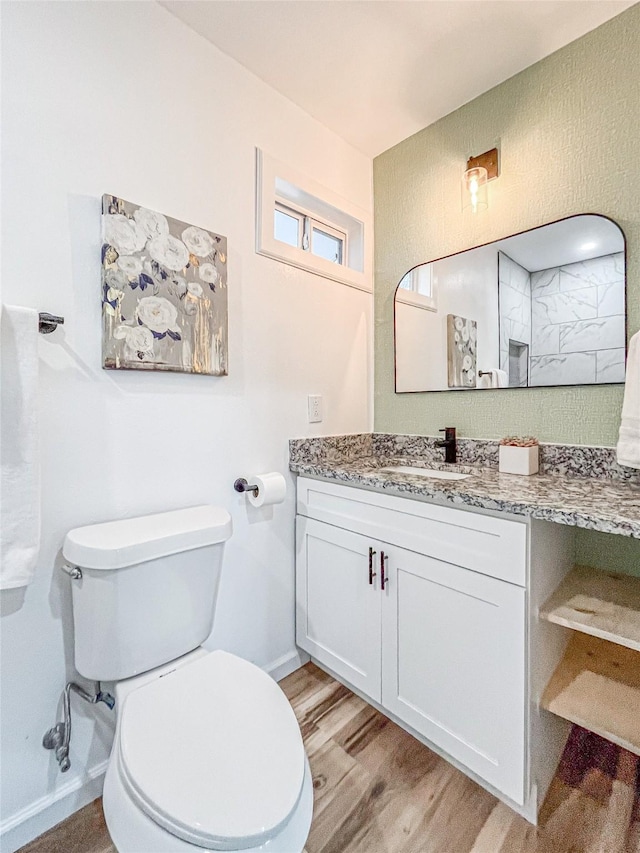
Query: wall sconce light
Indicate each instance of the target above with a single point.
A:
(479, 171)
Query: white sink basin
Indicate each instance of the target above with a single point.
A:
(434, 473)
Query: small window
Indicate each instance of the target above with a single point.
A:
(301, 223)
(287, 226)
(417, 288)
(328, 243)
(297, 228)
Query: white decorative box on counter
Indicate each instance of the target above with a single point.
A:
(519, 456)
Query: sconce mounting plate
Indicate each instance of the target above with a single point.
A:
(489, 160)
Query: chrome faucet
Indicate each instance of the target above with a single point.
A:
(449, 444)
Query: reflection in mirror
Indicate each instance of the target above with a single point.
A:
(545, 307)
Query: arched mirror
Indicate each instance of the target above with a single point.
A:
(540, 308)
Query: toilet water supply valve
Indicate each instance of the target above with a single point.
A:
(59, 737)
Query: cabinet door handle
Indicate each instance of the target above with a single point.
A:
(383, 580)
(372, 574)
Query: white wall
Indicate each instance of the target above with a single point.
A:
(123, 98)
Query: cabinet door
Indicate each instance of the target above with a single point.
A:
(337, 609)
(453, 663)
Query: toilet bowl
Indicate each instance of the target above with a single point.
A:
(207, 754)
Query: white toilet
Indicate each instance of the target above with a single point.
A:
(207, 752)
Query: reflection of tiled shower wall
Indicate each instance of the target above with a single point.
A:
(578, 323)
(515, 306)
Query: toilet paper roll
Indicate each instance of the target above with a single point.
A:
(271, 489)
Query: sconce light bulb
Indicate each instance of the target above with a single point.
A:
(474, 189)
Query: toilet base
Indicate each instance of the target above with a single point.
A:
(132, 831)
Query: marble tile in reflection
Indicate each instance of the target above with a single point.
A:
(514, 305)
(520, 279)
(610, 298)
(513, 275)
(545, 340)
(545, 282)
(565, 307)
(601, 333)
(610, 365)
(510, 330)
(602, 270)
(576, 368)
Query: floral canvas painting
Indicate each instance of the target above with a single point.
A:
(462, 339)
(164, 292)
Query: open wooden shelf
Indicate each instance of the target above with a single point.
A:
(598, 603)
(597, 686)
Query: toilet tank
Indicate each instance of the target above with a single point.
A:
(148, 589)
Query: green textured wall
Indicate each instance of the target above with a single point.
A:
(568, 130)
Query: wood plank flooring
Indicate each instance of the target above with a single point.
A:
(377, 790)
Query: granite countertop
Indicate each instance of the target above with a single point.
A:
(607, 505)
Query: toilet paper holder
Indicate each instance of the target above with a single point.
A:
(241, 485)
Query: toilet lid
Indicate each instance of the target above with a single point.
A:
(213, 753)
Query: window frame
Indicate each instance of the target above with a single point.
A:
(330, 231)
(280, 187)
(307, 224)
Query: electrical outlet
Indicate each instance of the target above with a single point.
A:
(314, 404)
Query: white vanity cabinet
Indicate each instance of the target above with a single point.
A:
(338, 610)
(442, 648)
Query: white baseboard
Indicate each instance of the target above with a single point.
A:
(285, 665)
(46, 812)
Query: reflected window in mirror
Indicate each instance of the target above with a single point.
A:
(547, 307)
(417, 288)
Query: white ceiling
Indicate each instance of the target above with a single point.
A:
(377, 71)
(577, 238)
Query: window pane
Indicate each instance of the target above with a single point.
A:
(286, 228)
(327, 246)
(406, 282)
(418, 280)
(422, 278)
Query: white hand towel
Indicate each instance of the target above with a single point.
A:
(19, 461)
(499, 378)
(628, 449)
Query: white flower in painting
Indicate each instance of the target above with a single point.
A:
(169, 252)
(123, 234)
(194, 288)
(456, 336)
(458, 323)
(473, 332)
(208, 273)
(152, 224)
(157, 313)
(137, 340)
(467, 362)
(197, 241)
(129, 265)
(115, 279)
(465, 334)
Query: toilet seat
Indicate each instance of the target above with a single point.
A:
(212, 752)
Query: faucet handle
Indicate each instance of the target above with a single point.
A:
(449, 432)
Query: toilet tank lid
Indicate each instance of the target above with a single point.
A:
(116, 544)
